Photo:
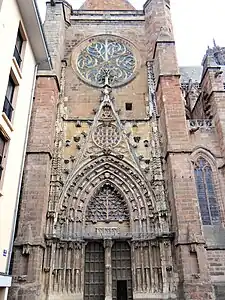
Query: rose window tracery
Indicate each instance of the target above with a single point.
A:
(106, 135)
(107, 205)
(106, 57)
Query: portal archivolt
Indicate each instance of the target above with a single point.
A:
(109, 215)
(116, 178)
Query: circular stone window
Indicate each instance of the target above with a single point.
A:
(106, 60)
(106, 135)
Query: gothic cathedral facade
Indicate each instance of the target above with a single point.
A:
(123, 187)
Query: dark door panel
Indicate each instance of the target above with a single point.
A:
(94, 272)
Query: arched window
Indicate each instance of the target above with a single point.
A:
(107, 205)
(206, 193)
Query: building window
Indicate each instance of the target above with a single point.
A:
(18, 48)
(8, 104)
(2, 151)
(128, 106)
(206, 193)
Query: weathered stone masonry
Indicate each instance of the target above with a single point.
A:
(123, 186)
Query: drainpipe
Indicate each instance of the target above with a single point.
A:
(21, 170)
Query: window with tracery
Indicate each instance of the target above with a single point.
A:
(107, 205)
(206, 193)
(106, 57)
(106, 135)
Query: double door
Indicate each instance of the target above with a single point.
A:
(95, 272)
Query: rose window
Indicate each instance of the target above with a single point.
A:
(106, 135)
(106, 60)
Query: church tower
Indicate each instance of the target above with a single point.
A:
(110, 198)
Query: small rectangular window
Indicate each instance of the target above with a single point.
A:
(8, 104)
(2, 151)
(128, 106)
(18, 47)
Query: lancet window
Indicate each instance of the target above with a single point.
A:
(206, 193)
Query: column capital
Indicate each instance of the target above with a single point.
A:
(108, 243)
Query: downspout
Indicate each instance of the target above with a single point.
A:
(21, 171)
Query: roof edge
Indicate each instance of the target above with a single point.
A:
(33, 26)
(103, 5)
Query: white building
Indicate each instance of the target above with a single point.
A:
(23, 51)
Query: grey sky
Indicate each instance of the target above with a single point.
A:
(196, 23)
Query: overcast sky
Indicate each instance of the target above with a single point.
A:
(196, 23)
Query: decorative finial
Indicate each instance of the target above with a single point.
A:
(106, 94)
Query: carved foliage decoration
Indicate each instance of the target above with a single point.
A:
(114, 163)
(144, 216)
(107, 205)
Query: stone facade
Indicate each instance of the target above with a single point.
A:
(117, 180)
(107, 5)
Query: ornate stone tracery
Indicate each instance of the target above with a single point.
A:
(107, 205)
(106, 56)
(107, 197)
(106, 135)
(82, 188)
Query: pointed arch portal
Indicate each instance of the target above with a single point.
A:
(107, 206)
(121, 192)
(114, 229)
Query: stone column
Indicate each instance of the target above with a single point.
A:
(108, 269)
(82, 270)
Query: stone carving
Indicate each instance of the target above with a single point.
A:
(194, 125)
(108, 186)
(146, 143)
(133, 188)
(68, 143)
(156, 162)
(137, 139)
(106, 135)
(106, 113)
(107, 232)
(215, 54)
(107, 205)
(76, 139)
(78, 124)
